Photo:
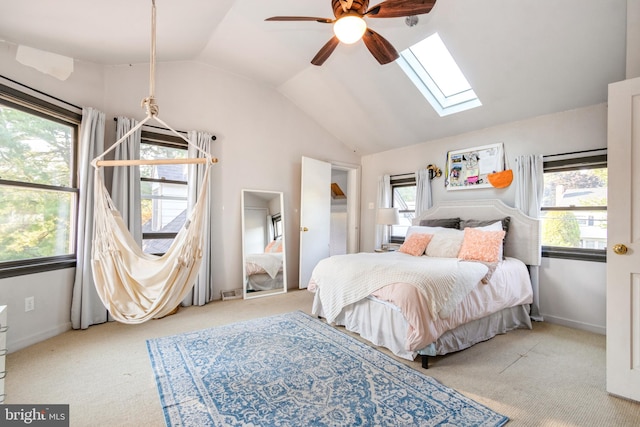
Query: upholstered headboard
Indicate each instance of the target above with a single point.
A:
(523, 238)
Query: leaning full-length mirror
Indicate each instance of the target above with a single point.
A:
(263, 244)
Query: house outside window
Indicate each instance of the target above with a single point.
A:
(38, 187)
(574, 208)
(163, 191)
(403, 197)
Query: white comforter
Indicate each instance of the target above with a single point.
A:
(269, 263)
(344, 279)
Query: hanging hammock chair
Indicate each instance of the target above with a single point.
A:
(135, 286)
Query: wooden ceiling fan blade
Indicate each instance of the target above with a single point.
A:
(326, 51)
(400, 8)
(379, 47)
(300, 18)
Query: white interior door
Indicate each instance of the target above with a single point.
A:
(315, 216)
(623, 269)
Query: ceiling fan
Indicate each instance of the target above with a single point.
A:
(349, 25)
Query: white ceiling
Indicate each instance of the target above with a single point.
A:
(523, 58)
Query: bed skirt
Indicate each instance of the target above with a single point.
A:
(264, 282)
(383, 324)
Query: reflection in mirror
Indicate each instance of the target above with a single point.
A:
(263, 248)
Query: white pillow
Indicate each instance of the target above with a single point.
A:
(445, 243)
(423, 229)
(496, 226)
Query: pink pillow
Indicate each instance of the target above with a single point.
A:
(479, 245)
(274, 246)
(415, 244)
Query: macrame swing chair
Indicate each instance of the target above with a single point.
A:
(135, 286)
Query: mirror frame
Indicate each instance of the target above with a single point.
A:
(263, 293)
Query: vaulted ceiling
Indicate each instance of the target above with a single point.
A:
(523, 58)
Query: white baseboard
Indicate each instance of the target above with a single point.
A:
(36, 338)
(597, 329)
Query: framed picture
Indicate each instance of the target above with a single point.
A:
(468, 168)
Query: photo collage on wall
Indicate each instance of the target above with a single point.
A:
(468, 168)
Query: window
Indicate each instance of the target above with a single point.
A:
(38, 186)
(276, 221)
(163, 191)
(430, 67)
(574, 207)
(403, 197)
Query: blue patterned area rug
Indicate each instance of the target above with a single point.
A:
(295, 370)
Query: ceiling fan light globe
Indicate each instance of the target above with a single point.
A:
(350, 28)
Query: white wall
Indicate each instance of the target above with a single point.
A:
(573, 293)
(84, 88)
(633, 35)
(261, 137)
(52, 313)
(572, 299)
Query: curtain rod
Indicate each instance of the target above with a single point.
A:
(139, 162)
(575, 152)
(41, 93)
(213, 137)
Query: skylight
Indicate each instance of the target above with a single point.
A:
(435, 73)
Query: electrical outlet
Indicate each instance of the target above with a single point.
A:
(29, 304)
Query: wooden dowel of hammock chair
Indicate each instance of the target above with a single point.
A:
(140, 162)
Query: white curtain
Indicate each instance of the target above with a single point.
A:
(529, 184)
(202, 291)
(125, 188)
(423, 191)
(270, 229)
(86, 307)
(529, 177)
(383, 201)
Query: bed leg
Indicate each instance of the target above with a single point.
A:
(425, 361)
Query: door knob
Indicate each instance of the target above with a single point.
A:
(304, 229)
(620, 249)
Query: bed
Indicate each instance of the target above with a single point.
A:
(264, 270)
(383, 309)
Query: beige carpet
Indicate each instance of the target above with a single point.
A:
(549, 376)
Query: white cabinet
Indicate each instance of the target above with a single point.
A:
(3, 349)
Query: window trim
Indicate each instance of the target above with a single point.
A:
(591, 159)
(36, 265)
(579, 254)
(40, 107)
